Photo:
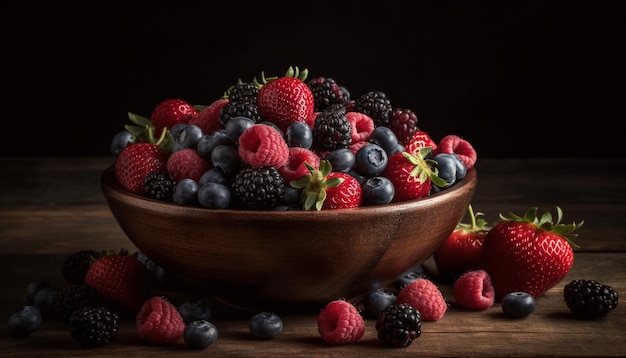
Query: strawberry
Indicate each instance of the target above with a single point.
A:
(286, 99)
(325, 189)
(419, 140)
(208, 119)
(528, 254)
(412, 174)
(121, 279)
(170, 112)
(136, 161)
(462, 250)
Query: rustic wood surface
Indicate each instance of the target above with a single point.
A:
(51, 207)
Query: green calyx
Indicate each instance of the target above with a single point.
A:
(314, 185)
(546, 223)
(143, 131)
(292, 71)
(424, 168)
(476, 224)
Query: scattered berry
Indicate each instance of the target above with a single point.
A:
(473, 290)
(194, 310)
(266, 325)
(33, 287)
(340, 323)
(517, 304)
(425, 296)
(589, 299)
(399, 325)
(200, 334)
(159, 321)
(378, 300)
(24, 321)
(93, 326)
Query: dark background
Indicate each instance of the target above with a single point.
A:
(515, 78)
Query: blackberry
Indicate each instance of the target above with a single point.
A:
(258, 188)
(72, 297)
(234, 109)
(376, 105)
(327, 92)
(332, 129)
(403, 123)
(243, 92)
(76, 264)
(159, 186)
(398, 325)
(589, 299)
(94, 326)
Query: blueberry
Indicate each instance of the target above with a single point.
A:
(378, 191)
(266, 325)
(33, 287)
(358, 176)
(447, 166)
(226, 158)
(417, 272)
(371, 160)
(299, 134)
(386, 139)
(291, 197)
(213, 175)
(235, 126)
(120, 141)
(342, 159)
(200, 334)
(194, 310)
(188, 137)
(186, 192)
(376, 301)
(208, 142)
(517, 304)
(44, 300)
(177, 128)
(24, 321)
(214, 196)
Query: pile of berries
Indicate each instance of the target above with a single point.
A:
(286, 143)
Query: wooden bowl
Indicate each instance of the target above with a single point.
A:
(289, 259)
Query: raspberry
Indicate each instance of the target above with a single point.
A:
(361, 124)
(340, 323)
(209, 118)
(263, 146)
(420, 140)
(159, 321)
(473, 290)
(404, 124)
(295, 168)
(425, 296)
(186, 163)
(459, 146)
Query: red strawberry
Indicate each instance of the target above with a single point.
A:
(462, 250)
(528, 254)
(286, 99)
(208, 119)
(459, 146)
(411, 174)
(136, 161)
(419, 140)
(121, 279)
(325, 189)
(171, 112)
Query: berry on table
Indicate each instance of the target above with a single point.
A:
(517, 304)
(93, 326)
(200, 334)
(159, 321)
(33, 287)
(376, 301)
(399, 325)
(589, 299)
(340, 323)
(425, 296)
(473, 290)
(24, 321)
(194, 310)
(266, 325)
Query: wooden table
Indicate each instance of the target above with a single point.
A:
(51, 207)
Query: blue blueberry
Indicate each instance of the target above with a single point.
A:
(377, 191)
(213, 175)
(235, 126)
(291, 197)
(266, 325)
(208, 142)
(188, 137)
(200, 334)
(33, 287)
(386, 139)
(186, 192)
(177, 128)
(214, 196)
(194, 310)
(517, 304)
(358, 176)
(120, 141)
(376, 301)
(44, 300)
(24, 321)
(414, 274)
(226, 158)
(299, 134)
(371, 160)
(342, 160)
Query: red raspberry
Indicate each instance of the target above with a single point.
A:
(340, 323)
(209, 118)
(420, 140)
(473, 290)
(159, 321)
(424, 296)
(186, 163)
(295, 168)
(459, 146)
(403, 124)
(355, 146)
(263, 146)
(361, 124)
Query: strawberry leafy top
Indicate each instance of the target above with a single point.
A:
(476, 224)
(292, 71)
(546, 223)
(143, 131)
(314, 185)
(424, 168)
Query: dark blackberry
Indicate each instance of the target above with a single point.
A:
(159, 186)
(234, 109)
(72, 297)
(76, 264)
(403, 124)
(589, 299)
(398, 325)
(94, 326)
(243, 92)
(258, 188)
(376, 105)
(327, 92)
(332, 129)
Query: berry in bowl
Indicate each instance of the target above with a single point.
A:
(287, 206)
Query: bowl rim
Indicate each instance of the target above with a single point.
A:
(110, 187)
